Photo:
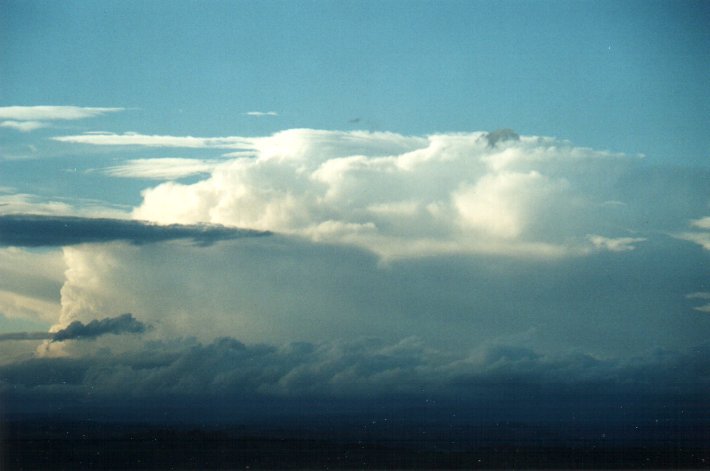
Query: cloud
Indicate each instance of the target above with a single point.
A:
(30, 118)
(363, 368)
(259, 114)
(702, 223)
(24, 126)
(77, 330)
(403, 196)
(125, 323)
(24, 203)
(16, 305)
(162, 168)
(30, 282)
(619, 244)
(52, 113)
(501, 135)
(702, 237)
(27, 230)
(136, 139)
(700, 295)
(278, 289)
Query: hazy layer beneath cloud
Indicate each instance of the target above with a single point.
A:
(52, 113)
(280, 289)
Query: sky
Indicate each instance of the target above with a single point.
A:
(234, 202)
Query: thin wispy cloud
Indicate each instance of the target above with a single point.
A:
(166, 168)
(24, 126)
(30, 118)
(137, 139)
(259, 114)
(52, 113)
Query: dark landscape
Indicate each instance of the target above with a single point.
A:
(348, 444)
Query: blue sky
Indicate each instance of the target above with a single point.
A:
(625, 76)
(444, 193)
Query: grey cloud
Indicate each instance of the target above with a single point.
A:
(32, 230)
(358, 368)
(501, 135)
(123, 324)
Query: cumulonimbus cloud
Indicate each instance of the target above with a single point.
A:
(31, 230)
(409, 196)
(403, 196)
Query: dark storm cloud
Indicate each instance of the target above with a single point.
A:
(31, 230)
(123, 324)
(25, 336)
(361, 368)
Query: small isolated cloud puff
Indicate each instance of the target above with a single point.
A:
(357, 368)
(619, 244)
(166, 168)
(259, 114)
(404, 196)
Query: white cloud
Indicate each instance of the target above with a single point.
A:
(166, 168)
(136, 139)
(403, 196)
(24, 126)
(700, 238)
(700, 295)
(619, 244)
(52, 113)
(702, 223)
(24, 203)
(259, 114)
(282, 289)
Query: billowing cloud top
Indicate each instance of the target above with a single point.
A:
(401, 196)
(25, 230)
